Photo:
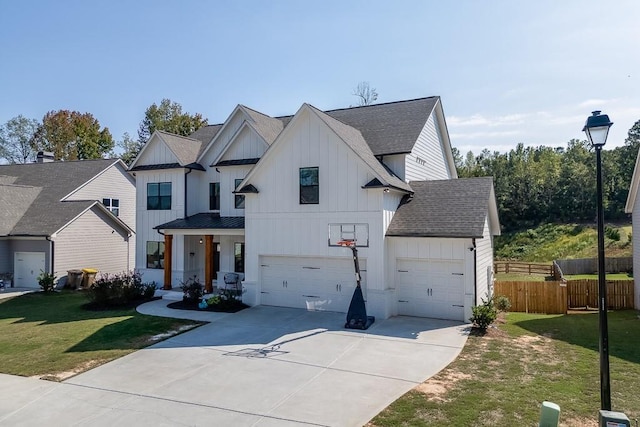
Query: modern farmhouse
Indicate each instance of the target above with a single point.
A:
(270, 197)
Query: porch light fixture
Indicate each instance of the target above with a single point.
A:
(200, 240)
(597, 130)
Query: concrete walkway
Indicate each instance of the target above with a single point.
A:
(264, 366)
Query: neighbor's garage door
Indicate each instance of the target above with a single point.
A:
(430, 288)
(311, 283)
(26, 268)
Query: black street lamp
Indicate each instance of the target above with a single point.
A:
(597, 129)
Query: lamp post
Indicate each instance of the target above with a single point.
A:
(597, 129)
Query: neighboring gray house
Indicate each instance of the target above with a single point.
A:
(57, 216)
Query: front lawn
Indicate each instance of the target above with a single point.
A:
(503, 377)
(51, 336)
(609, 276)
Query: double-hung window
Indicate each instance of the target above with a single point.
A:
(112, 205)
(214, 196)
(309, 186)
(158, 196)
(155, 254)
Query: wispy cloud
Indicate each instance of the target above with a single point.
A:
(485, 135)
(590, 103)
(480, 120)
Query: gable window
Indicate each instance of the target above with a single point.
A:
(214, 196)
(155, 255)
(309, 186)
(239, 199)
(113, 205)
(158, 196)
(238, 255)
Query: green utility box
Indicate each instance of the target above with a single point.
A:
(613, 419)
(549, 415)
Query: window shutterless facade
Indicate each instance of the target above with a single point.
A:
(113, 205)
(214, 196)
(309, 186)
(238, 254)
(158, 196)
(155, 255)
(239, 199)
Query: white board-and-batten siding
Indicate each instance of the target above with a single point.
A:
(246, 145)
(484, 265)
(113, 183)
(427, 161)
(93, 240)
(156, 153)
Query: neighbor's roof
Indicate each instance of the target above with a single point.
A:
(204, 221)
(33, 200)
(447, 208)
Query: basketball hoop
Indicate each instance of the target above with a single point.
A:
(347, 243)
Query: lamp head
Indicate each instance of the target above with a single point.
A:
(597, 128)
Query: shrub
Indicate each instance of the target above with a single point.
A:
(612, 233)
(47, 281)
(113, 290)
(501, 303)
(192, 290)
(483, 315)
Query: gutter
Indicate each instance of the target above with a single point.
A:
(185, 192)
(51, 254)
(475, 272)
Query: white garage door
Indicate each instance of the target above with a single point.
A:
(311, 283)
(430, 288)
(26, 268)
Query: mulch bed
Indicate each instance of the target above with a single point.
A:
(226, 308)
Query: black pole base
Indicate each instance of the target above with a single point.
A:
(357, 315)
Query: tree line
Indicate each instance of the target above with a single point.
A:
(72, 135)
(535, 185)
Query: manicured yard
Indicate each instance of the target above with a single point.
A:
(51, 336)
(503, 377)
(609, 276)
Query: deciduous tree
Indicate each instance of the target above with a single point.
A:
(168, 116)
(15, 139)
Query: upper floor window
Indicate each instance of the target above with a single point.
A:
(113, 205)
(309, 186)
(158, 196)
(239, 199)
(214, 196)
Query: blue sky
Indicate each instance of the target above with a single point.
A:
(507, 71)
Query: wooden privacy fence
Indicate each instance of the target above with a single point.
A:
(522, 268)
(534, 297)
(590, 265)
(557, 297)
(584, 293)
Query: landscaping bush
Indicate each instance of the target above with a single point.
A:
(123, 289)
(47, 281)
(612, 233)
(192, 290)
(484, 315)
(501, 303)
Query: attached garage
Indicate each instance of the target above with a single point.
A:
(27, 267)
(325, 284)
(430, 288)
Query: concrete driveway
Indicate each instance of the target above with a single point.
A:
(264, 366)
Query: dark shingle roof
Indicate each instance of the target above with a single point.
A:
(205, 134)
(186, 149)
(239, 162)
(156, 167)
(204, 220)
(46, 214)
(447, 208)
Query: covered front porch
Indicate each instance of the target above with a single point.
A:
(206, 247)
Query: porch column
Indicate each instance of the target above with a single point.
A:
(168, 243)
(208, 263)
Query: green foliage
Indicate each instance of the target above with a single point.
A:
(483, 315)
(71, 135)
(558, 241)
(192, 290)
(130, 148)
(168, 116)
(612, 233)
(501, 303)
(115, 290)
(15, 139)
(47, 281)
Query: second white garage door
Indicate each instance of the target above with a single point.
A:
(311, 283)
(430, 288)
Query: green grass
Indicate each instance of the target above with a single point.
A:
(503, 377)
(50, 334)
(518, 277)
(609, 276)
(559, 241)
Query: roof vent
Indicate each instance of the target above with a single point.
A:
(45, 157)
